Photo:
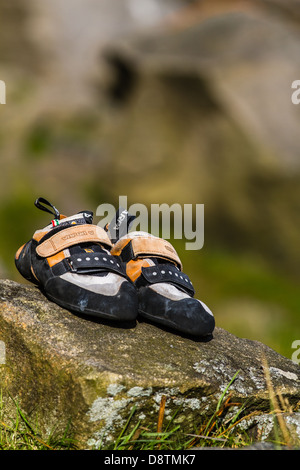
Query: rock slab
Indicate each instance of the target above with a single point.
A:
(65, 368)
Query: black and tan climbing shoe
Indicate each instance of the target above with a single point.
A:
(70, 260)
(165, 293)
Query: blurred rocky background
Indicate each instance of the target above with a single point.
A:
(164, 101)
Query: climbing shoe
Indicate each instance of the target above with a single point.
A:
(70, 260)
(165, 293)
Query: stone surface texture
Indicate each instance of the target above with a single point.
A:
(65, 368)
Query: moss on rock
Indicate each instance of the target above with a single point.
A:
(66, 368)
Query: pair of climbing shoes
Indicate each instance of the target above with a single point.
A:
(87, 269)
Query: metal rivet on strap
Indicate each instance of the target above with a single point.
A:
(79, 259)
(88, 259)
(163, 272)
(96, 258)
(170, 272)
(104, 259)
(154, 273)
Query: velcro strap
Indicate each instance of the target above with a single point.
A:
(72, 236)
(84, 263)
(142, 247)
(167, 273)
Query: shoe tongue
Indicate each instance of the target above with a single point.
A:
(88, 216)
(83, 217)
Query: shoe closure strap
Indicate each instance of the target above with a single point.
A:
(72, 236)
(145, 247)
(166, 273)
(84, 263)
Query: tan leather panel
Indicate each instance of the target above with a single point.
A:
(152, 246)
(52, 260)
(33, 273)
(119, 245)
(72, 236)
(134, 268)
(39, 234)
(19, 251)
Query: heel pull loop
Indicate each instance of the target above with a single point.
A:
(39, 204)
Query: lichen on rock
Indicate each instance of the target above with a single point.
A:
(68, 367)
